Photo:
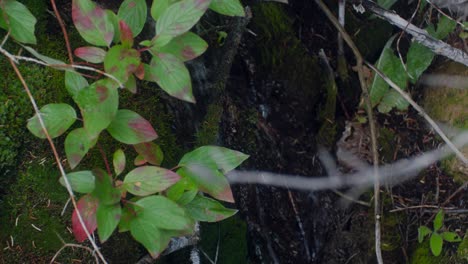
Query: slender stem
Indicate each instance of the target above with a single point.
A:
(57, 159)
(370, 116)
(64, 31)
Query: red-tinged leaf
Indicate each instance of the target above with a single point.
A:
(57, 119)
(148, 180)
(134, 13)
(139, 160)
(209, 180)
(121, 62)
(98, 104)
(87, 207)
(171, 75)
(181, 17)
(77, 144)
(208, 210)
(92, 22)
(150, 152)
(90, 54)
(114, 19)
(227, 7)
(140, 72)
(130, 128)
(126, 35)
(185, 47)
(108, 217)
(119, 161)
(127, 215)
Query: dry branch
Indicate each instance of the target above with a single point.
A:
(420, 35)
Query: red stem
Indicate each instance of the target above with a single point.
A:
(64, 30)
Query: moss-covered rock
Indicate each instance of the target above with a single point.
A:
(450, 105)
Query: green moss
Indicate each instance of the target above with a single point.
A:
(35, 199)
(422, 255)
(208, 132)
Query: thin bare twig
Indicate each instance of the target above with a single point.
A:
(421, 112)
(75, 246)
(370, 116)
(16, 59)
(57, 158)
(64, 31)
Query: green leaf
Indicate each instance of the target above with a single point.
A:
(92, 22)
(151, 152)
(445, 27)
(227, 7)
(130, 128)
(57, 119)
(139, 160)
(126, 218)
(223, 158)
(119, 161)
(104, 190)
(439, 220)
(45, 58)
(98, 104)
(392, 99)
(145, 231)
(158, 7)
(187, 197)
(148, 180)
(131, 84)
(418, 59)
(451, 237)
(171, 75)
(436, 244)
(77, 144)
(209, 180)
(386, 3)
(208, 210)
(90, 54)
(74, 82)
(176, 191)
(163, 213)
(133, 12)
(14, 16)
(391, 66)
(108, 217)
(80, 181)
(121, 62)
(180, 17)
(185, 47)
(423, 231)
(114, 19)
(205, 167)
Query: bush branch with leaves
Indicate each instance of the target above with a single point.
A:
(153, 203)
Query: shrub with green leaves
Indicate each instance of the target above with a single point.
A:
(418, 59)
(153, 203)
(437, 237)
